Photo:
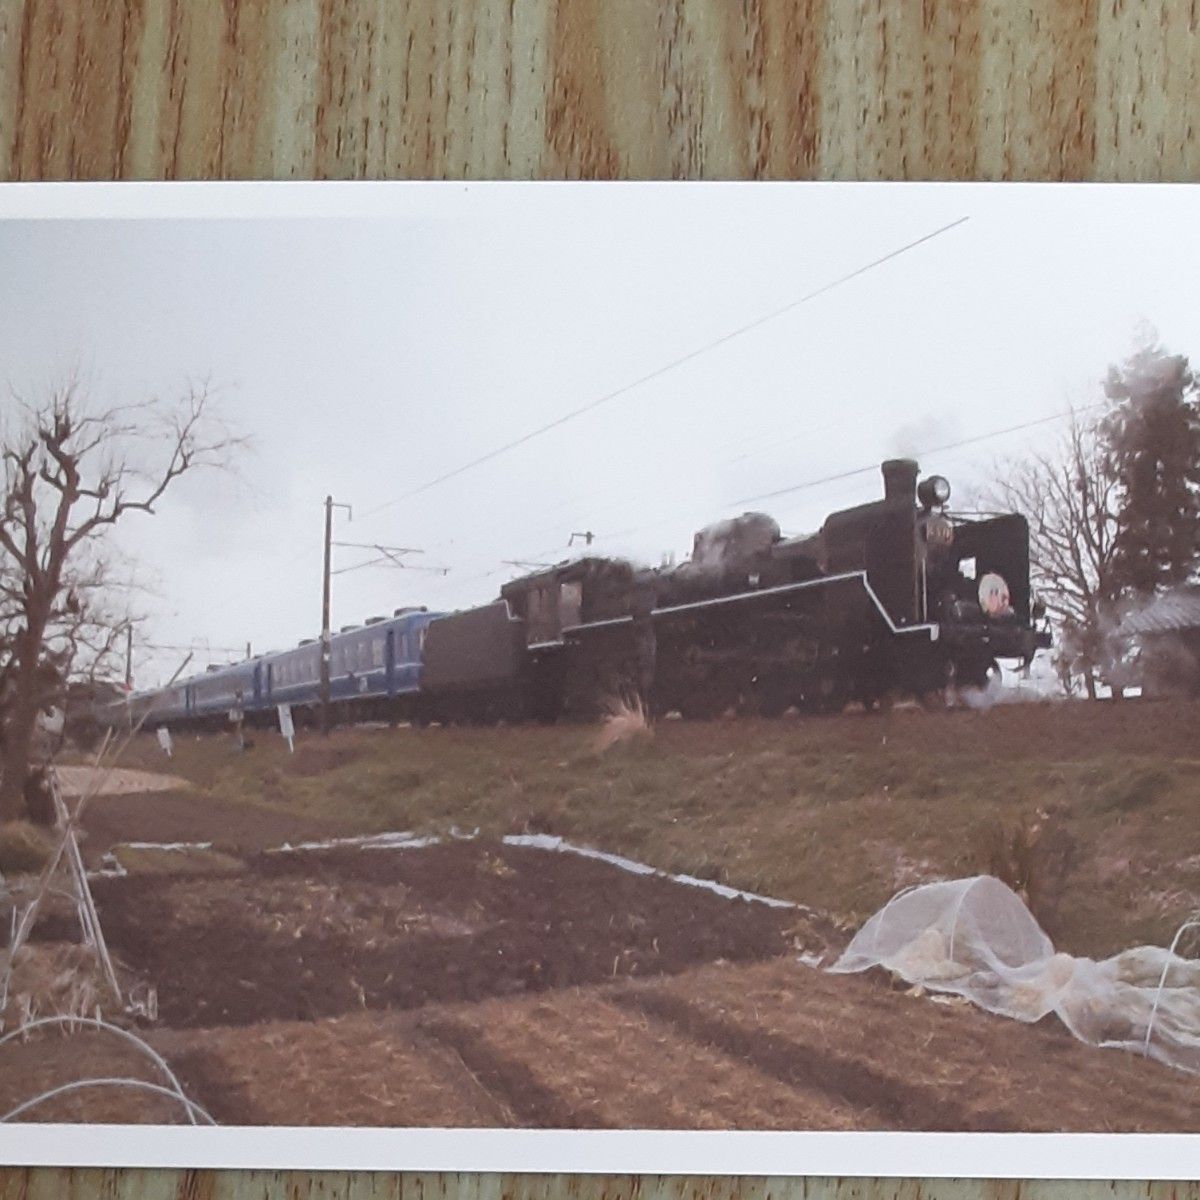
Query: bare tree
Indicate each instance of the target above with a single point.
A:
(1069, 493)
(71, 473)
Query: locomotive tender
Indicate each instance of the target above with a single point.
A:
(897, 597)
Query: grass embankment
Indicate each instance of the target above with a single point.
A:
(838, 813)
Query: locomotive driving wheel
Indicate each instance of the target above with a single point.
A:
(980, 680)
(937, 696)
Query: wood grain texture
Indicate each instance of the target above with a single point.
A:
(583, 89)
(45, 1184)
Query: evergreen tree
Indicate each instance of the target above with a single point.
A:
(1152, 434)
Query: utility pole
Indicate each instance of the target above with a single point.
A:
(388, 554)
(326, 647)
(325, 616)
(129, 658)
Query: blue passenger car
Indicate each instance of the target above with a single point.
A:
(291, 676)
(218, 690)
(376, 668)
(375, 671)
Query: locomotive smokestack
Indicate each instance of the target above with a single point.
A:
(900, 480)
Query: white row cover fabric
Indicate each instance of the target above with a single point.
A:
(975, 938)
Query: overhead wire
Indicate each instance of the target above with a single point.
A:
(956, 445)
(388, 558)
(658, 372)
(627, 500)
(673, 364)
(852, 473)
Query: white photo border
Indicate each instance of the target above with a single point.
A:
(1084, 1156)
(1090, 1156)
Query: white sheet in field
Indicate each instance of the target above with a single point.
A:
(975, 938)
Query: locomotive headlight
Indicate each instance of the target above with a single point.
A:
(934, 491)
(993, 595)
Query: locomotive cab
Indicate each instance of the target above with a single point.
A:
(977, 587)
(962, 579)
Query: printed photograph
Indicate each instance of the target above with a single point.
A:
(631, 657)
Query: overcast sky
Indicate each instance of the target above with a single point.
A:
(367, 355)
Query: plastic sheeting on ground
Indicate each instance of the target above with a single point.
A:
(975, 938)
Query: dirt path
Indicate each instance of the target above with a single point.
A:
(121, 781)
(237, 829)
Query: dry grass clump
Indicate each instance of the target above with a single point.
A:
(1034, 857)
(625, 721)
(51, 979)
(1135, 788)
(24, 848)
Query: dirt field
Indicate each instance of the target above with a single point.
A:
(473, 983)
(476, 983)
(309, 935)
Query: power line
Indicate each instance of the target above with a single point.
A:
(195, 648)
(971, 441)
(387, 554)
(388, 550)
(536, 558)
(393, 561)
(843, 475)
(808, 484)
(658, 372)
(647, 378)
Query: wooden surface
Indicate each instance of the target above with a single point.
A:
(294, 1185)
(713, 89)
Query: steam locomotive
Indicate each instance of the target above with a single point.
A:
(898, 597)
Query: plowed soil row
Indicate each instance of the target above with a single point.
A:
(593, 1063)
(936, 1065)
(723, 1046)
(887, 1100)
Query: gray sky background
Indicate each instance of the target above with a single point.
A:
(366, 355)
